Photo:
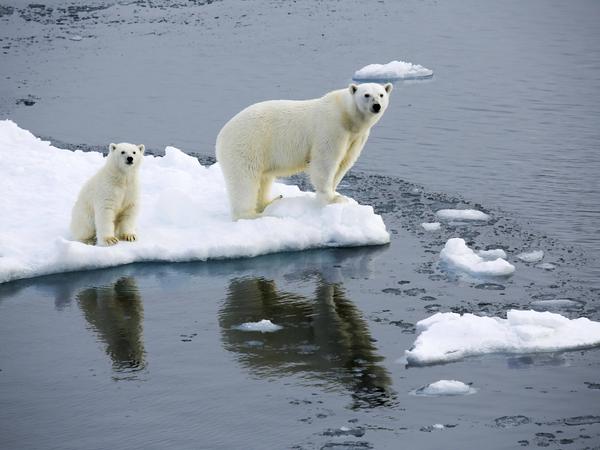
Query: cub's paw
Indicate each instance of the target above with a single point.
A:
(130, 237)
(110, 240)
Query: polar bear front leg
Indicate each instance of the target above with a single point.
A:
(347, 162)
(323, 168)
(105, 225)
(125, 224)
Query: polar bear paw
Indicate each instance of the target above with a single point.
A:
(130, 237)
(110, 240)
(339, 198)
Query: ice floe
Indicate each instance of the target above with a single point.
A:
(184, 213)
(445, 388)
(392, 71)
(462, 214)
(431, 226)
(532, 256)
(492, 254)
(459, 257)
(264, 326)
(446, 337)
(556, 304)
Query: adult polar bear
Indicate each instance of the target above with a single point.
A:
(323, 136)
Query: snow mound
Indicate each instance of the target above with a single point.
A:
(445, 388)
(184, 213)
(431, 226)
(264, 326)
(392, 71)
(462, 214)
(457, 255)
(531, 257)
(446, 337)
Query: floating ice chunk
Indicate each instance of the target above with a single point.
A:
(394, 70)
(184, 213)
(264, 326)
(445, 388)
(462, 214)
(492, 254)
(546, 266)
(438, 426)
(531, 257)
(559, 303)
(460, 257)
(432, 226)
(75, 37)
(448, 337)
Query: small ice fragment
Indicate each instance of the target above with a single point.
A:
(445, 388)
(460, 257)
(532, 256)
(75, 37)
(462, 214)
(446, 337)
(492, 254)
(546, 266)
(394, 70)
(431, 226)
(344, 428)
(264, 326)
(438, 426)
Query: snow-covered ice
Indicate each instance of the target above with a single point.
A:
(462, 214)
(394, 70)
(184, 213)
(446, 337)
(458, 256)
(492, 254)
(431, 226)
(532, 256)
(445, 388)
(264, 326)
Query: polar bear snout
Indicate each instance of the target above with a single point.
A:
(376, 108)
(130, 160)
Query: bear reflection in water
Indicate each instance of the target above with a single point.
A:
(115, 313)
(324, 338)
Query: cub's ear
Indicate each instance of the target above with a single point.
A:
(141, 147)
(388, 87)
(353, 88)
(112, 147)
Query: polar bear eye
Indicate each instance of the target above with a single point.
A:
(367, 95)
(122, 153)
(381, 95)
(134, 153)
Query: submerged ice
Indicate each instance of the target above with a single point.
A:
(445, 388)
(446, 337)
(184, 213)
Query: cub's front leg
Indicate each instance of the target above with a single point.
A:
(104, 217)
(125, 223)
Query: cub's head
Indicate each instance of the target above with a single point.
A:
(126, 156)
(371, 99)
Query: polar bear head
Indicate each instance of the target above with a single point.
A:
(126, 156)
(371, 99)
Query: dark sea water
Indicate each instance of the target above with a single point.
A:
(147, 356)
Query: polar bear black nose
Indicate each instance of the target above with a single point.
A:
(129, 159)
(376, 107)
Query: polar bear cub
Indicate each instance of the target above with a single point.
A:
(107, 206)
(322, 136)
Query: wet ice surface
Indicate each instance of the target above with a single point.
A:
(394, 70)
(146, 356)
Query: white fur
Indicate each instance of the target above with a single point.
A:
(107, 206)
(322, 136)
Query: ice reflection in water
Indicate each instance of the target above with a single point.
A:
(324, 338)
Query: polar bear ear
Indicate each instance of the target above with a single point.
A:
(112, 147)
(388, 87)
(353, 88)
(141, 147)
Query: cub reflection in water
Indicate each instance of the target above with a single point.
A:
(115, 313)
(324, 338)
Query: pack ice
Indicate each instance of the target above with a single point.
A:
(184, 213)
(446, 337)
